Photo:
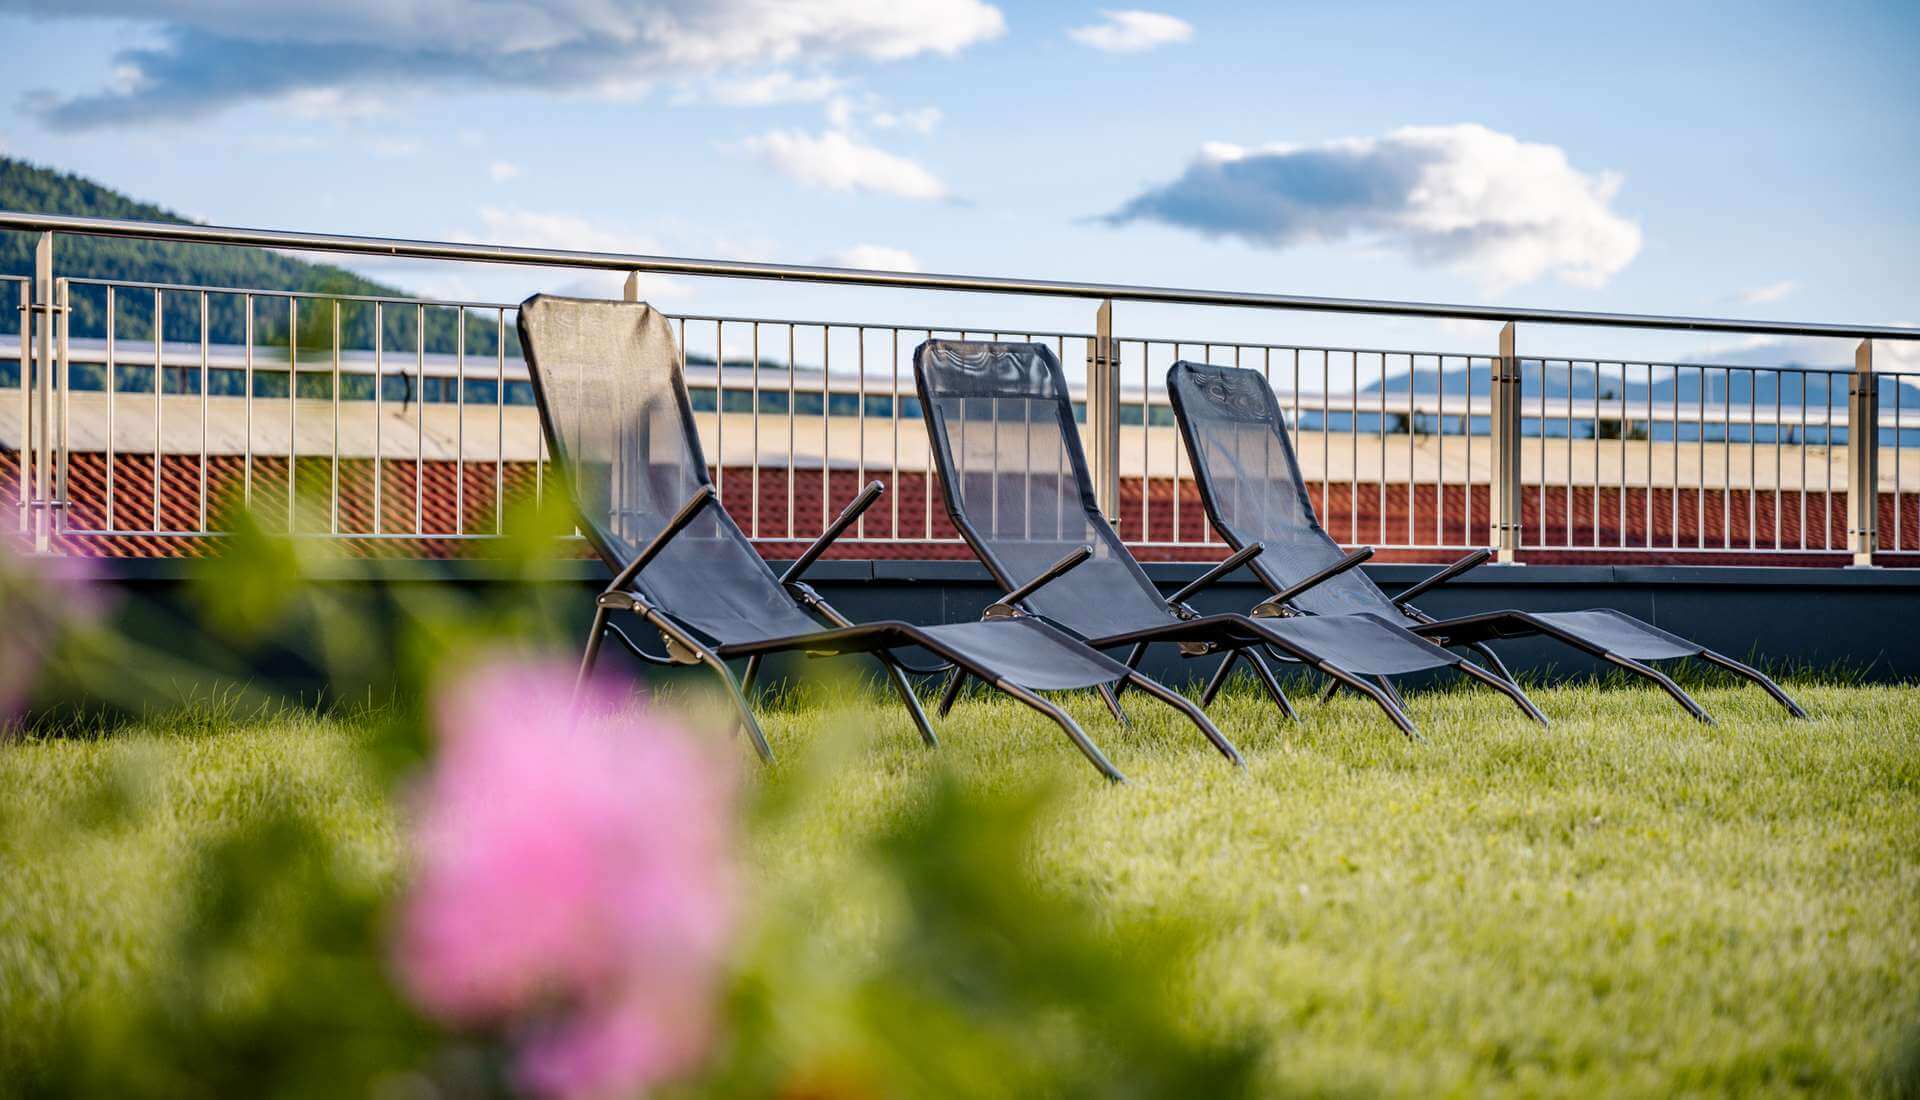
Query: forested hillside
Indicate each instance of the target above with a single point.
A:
(28, 187)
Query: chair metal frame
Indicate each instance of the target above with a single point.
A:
(1237, 637)
(1471, 632)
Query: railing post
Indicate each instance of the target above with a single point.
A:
(631, 291)
(40, 434)
(1863, 456)
(1103, 412)
(1505, 501)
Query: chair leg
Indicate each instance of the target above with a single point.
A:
(754, 734)
(1666, 684)
(1333, 688)
(1112, 697)
(1393, 693)
(1185, 706)
(952, 692)
(1493, 661)
(747, 675)
(1219, 678)
(1506, 687)
(1272, 683)
(1757, 677)
(1138, 651)
(594, 635)
(1064, 721)
(904, 688)
(1385, 701)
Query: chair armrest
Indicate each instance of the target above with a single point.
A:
(1240, 557)
(1471, 561)
(688, 511)
(834, 530)
(1288, 594)
(1047, 576)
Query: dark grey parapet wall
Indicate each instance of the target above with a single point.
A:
(1863, 621)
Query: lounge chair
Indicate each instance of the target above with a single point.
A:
(1253, 491)
(1015, 481)
(613, 404)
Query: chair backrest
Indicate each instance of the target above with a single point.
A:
(1251, 485)
(1014, 478)
(606, 376)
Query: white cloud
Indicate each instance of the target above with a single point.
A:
(1132, 31)
(394, 148)
(837, 161)
(1772, 292)
(1473, 199)
(500, 171)
(920, 121)
(210, 54)
(768, 89)
(875, 257)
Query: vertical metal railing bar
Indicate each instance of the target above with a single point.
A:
(1626, 430)
(333, 474)
(1674, 493)
(1381, 428)
(860, 421)
(159, 387)
(460, 421)
(1353, 433)
(247, 463)
(1440, 438)
(500, 422)
(1146, 443)
(1412, 471)
(753, 479)
(719, 404)
(1899, 502)
(1651, 432)
(379, 415)
(61, 518)
(893, 527)
(1466, 481)
(1826, 456)
(1803, 461)
(793, 418)
(1542, 507)
(1568, 366)
(293, 400)
(1177, 448)
(419, 419)
(113, 386)
(926, 481)
(24, 461)
(1779, 471)
(1753, 458)
(206, 412)
(1727, 461)
(826, 422)
(1700, 384)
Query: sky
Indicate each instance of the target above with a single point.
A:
(1751, 160)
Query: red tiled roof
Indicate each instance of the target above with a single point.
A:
(452, 501)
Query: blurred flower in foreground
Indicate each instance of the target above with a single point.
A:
(573, 881)
(44, 599)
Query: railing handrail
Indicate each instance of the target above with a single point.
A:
(739, 269)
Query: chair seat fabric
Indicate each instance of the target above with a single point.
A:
(1602, 628)
(1363, 643)
(1025, 651)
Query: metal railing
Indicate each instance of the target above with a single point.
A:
(398, 418)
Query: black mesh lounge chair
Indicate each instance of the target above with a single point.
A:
(614, 406)
(1015, 481)
(1254, 492)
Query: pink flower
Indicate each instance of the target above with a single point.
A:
(45, 598)
(573, 881)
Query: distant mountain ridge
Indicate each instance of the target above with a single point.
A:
(1737, 385)
(29, 187)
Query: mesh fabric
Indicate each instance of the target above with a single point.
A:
(1251, 482)
(615, 411)
(1016, 482)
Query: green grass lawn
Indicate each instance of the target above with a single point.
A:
(1626, 903)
